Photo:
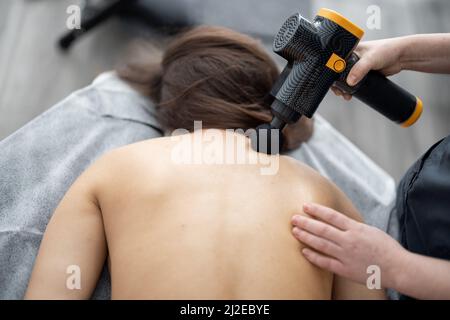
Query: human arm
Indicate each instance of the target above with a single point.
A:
(74, 237)
(421, 52)
(330, 195)
(357, 246)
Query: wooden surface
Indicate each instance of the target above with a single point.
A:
(34, 74)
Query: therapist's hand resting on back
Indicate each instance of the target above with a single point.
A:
(346, 247)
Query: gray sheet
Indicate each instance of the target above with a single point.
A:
(39, 162)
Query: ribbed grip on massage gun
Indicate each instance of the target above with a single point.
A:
(383, 95)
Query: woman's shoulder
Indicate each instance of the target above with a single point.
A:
(309, 184)
(132, 159)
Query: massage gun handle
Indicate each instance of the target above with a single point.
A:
(383, 95)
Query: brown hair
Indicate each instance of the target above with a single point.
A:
(212, 74)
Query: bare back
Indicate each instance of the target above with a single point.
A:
(197, 231)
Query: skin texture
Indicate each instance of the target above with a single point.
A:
(425, 53)
(346, 247)
(188, 231)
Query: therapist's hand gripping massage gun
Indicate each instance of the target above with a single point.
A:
(320, 54)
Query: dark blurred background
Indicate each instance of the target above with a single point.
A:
(35, 73)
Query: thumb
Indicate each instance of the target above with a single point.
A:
(358, 71)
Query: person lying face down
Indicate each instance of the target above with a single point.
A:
(172, 229)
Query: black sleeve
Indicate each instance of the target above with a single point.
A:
(423, 203)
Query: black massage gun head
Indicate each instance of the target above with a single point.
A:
(269, 138)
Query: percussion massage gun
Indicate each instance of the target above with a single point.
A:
(320, 54)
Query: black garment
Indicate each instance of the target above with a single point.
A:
(423, 203)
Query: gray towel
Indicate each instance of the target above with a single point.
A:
(40, 161)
